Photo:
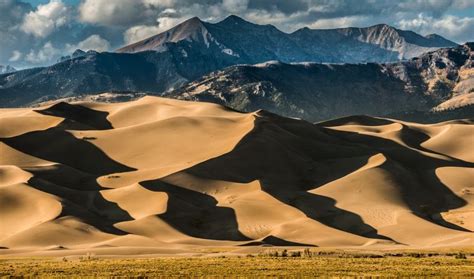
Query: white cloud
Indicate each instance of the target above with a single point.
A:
(346, 21)
(94, 42)
(235, 6)
(160, 3)
(132, 13)
(452, 27)
(141, 32)
(46, 54)
(112, 13)
(16, 55)
(45, 19)
(49, 54)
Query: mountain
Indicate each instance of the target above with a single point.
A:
(378, 43)
(195, 48)
(241, 41)
(76, 53)
(437, 86)
(6, 69)
(94, 73)
(157, 176)
(439, 81)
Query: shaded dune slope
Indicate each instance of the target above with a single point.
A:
(165, 173)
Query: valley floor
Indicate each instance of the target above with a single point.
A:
(322, 264)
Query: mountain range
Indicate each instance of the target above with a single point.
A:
(231, 62)
(240, 41)
(438, 81)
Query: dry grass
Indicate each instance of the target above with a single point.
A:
(250, 266)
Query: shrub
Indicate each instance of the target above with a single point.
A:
(295, 254)
(460, 256)
(416, 255)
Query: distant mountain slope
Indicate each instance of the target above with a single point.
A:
(442, 80)
(93, 72)
(6, 69)
(245, 42)
(378, 43)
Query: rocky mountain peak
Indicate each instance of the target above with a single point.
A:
(192, 29)
(382, 27)
(78, 53)
(189, 25)
(469, 45)
(234, 19)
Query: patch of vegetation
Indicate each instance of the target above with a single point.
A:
(307, 264)
(460, 256)
(89, 138)
(88, 257)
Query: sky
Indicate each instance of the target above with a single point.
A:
(38, 32)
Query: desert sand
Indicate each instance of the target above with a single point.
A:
(164, 176)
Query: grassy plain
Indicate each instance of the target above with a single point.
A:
(243, 266)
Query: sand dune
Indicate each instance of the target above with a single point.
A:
(182, 175)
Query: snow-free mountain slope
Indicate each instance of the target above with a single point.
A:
(253, 43)
(440, 81)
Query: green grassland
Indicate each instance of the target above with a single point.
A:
(274, 265)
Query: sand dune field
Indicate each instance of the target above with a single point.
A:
(158, 175)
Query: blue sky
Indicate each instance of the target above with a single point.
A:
(38, 32)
